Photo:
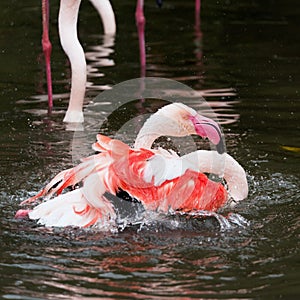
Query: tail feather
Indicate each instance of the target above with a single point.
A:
(102, 143)
(56, 185)
(71, 177)
(73, 209)
(83, 207)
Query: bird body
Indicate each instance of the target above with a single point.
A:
(135, 171)
(159, 179)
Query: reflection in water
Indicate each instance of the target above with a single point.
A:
(221, 100)
(98, 58)
(151, 263)
(132, 265)
(169, 259)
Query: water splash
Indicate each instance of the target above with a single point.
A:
(233, 220)
(133, 215)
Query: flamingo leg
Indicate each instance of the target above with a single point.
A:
(107, 15)
(197, 18)
(67, 23)
(140, 23)
(198, 32)
(47, 47)
(197, 8)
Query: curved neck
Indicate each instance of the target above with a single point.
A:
(149, 132)
(159, 124)
(222, 165)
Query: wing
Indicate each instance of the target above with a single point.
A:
(164, 181)
(222, 165)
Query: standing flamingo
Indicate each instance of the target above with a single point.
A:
(67, 21)
(159, 179)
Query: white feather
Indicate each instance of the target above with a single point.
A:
(64, 210)
(222, 165)
(160, 168)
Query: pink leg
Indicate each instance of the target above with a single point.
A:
(140, 23)
(47, 47)
(198, 32)
(197, 8)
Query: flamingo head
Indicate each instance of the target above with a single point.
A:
(187, 122)
(178, 119)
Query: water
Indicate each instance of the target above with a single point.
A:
(249, 46)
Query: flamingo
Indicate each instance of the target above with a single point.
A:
(159, 179)
(67, 23)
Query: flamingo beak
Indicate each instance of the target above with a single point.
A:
(208, 128)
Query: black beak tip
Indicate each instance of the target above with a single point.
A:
(220, 147)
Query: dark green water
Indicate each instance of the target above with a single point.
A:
(250, 46)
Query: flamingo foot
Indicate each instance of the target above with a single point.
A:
(74, 117)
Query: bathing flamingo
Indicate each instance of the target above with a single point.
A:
(159, 179)
(67, 22)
